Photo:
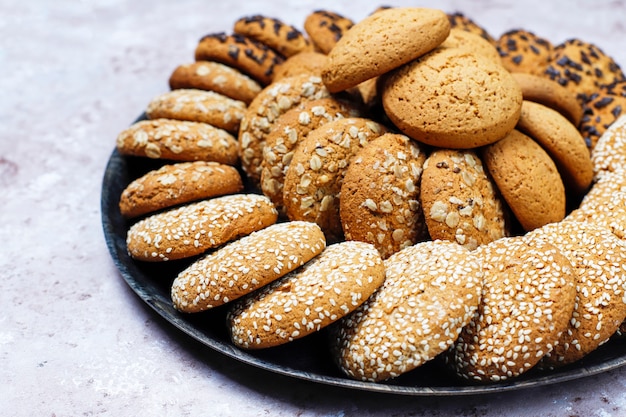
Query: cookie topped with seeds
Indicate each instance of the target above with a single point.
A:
(194, 228)
(461, 204)
(527, 301)
(245, 265)
(431, 290)
(281, 37)
(524, 51)
(609, 154)
(325, 289)
(600, 112)
(325, 28)
(379, 201)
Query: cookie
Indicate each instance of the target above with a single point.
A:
(290, 129)
(380, 191)
(445, 99)
(562, 141)
(527, 301)
(179, 141)
(315, 175)
(328, 287)
(525, 52)
(302, 63)
(617, 88)
(527, 178)
(325, 28)
(551, 94)
(194, 228)
(245, 265)
(178, 183)
(460, 202)
(247, 55)
(281, 37)
(259, 119)
(459, 38)
(598, 257)
(609, 154)
(198, 106)
(431, 291)
(600, 112)
(213, 76)
(461, 21)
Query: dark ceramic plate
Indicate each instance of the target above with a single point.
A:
(307, 358)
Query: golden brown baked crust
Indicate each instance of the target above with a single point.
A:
(325, 28)
(281, 37)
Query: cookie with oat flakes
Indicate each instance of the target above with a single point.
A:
(524, 51)
(325, 28)
(281, 37)
(379, 201)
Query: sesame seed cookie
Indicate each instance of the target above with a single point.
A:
(609, 154)
(179, 183)
(381, 42)
(461, 21)
(281, 37)
(314, 178)
(289, 130)
(325, 28)
(459, 38)
(198, 106)
(562, 141)
(431, 290)
(247, 55)
(525, 52)
(598, 257)
(325, 289)
(527, 300)
(379, 201)
(527, 178)
(551, 94)
(213, 76)
(178, 140)
(192, 229)
(460, 202)
(445, 99)
(600, 112)
(259, 119)
(245, 265)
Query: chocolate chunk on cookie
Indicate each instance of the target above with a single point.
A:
(524, 51)
(600, 112)
(325, 28)
(281, 37)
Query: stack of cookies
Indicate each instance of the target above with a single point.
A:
(415, 185)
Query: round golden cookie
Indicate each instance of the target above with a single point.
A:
(315, 175)
(461, 21)
(213, 76)
(198, 106)
(379, 201)
(598, 258)
(325, 28)
(527, 178)
(562, 141)
(302, 63)
(178, 140)
(460, 38)
(600, 112)
(281, 37)
(551, 94)
(245, 265)
(325, 289)
(460, 201)
(178, 183)
(268, 105)
(247, 55)
(289, 130)
(446, 99)
(381, 42)
(527, 301)
(196, 227)
(431, 290)
(525, 52)
(609, 154)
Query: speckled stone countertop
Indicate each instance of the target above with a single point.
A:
(74, 339)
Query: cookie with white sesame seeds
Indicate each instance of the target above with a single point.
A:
(194, 228)
(325, 289)
(178, 140)
(325, 28)
(524, 51)
(315, 175)
(175, 184)
(527, 179)
(431, 291)
(198, 106)
(245, 265)
(600, 112)
(598, 257)
(527, 300)
(251, 57)
(281, 37)
(607, 211)
(213, 76)
(461, 204)
(609, 154)
(290, 129)
(379, 201)
(267, 106)
(563, 142)
(302, 63)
